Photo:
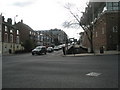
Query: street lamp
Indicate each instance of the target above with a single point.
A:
(13, 34)
(41, 38)
(15, 18)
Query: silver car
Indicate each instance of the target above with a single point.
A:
(50, 49)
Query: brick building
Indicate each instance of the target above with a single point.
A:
(44, 38)
(20, 36)
(106, 31)
(16, 37)
(27, 35)
(48, 37)
(10, 37)
(104, 18)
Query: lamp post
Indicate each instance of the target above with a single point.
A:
(41, 38)
(15, 18)
(14, 34)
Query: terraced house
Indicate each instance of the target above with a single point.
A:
(10, 37)
(19, 37)
(27, 36)
(51, 37)
(102, 19)
(16, 37)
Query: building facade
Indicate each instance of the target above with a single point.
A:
(104, 18)
(19, 36)
(51, 37)
(10, 37)
(27, 36)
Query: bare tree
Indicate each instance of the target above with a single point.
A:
(77, 22)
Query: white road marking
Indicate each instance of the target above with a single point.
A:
(94, 74)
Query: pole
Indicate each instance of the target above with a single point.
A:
(93, 39)
(15, 18)
(1, 51)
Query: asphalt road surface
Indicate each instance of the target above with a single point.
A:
(57, 71)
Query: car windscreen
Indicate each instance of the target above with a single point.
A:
(38, 48)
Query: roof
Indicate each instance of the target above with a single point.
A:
(22, 25)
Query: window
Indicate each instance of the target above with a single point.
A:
(113, 6)
(0, 27)
(109, 4)
(30, 32)
(0, 37)
(17, 32)
(11, 38)
(17, 46)
(103, 30)
(38, 33)
(6, 37)
(17, 39)
(38, 37)
(96, 34)
(6, 29)
(42, 38)
(115, 29)
(11, 31)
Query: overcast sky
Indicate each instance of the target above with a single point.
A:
(42, 14)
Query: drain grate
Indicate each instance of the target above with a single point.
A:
(94, 74)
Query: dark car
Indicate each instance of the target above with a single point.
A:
(39, 50)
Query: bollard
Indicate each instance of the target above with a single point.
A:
(101, 50)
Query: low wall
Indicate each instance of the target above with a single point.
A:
(8, 48)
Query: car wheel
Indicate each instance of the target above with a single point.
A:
(33, 54)
(45, 53)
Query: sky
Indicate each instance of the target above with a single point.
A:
(43, 14)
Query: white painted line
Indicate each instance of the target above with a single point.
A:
(94, 74)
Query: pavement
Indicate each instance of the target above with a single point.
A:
(96, 53)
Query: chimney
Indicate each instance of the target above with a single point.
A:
(3, 19)
(9, 20)
(21, 21)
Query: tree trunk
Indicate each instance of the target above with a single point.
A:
(91, 46)
(90, 39)
(91, 42)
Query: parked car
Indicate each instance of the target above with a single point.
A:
(60, 47)
(50, 49)
(39, 50)
(56, 48)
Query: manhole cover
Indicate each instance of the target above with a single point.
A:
(94, 74)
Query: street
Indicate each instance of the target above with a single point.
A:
(57, 71)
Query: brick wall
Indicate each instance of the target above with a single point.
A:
(105, 32)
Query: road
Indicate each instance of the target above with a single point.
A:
(57, 71)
